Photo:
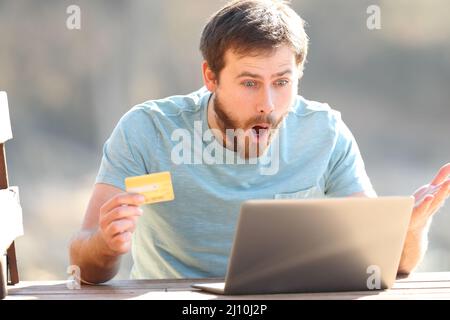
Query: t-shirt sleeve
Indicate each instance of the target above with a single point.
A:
(121, 157)
(346, 170)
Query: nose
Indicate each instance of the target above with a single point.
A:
(266, 106)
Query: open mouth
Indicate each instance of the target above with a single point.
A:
(260, 129)
(260, 133)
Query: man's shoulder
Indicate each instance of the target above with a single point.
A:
(317, 113)
(173, 105)
(170, 108)
(306, 107)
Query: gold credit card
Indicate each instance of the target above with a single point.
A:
(155, 187)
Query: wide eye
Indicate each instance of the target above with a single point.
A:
(282, 83)
(249, 83)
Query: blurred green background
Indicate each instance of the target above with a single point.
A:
(68, 88)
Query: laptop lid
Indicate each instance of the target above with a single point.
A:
(338, 244)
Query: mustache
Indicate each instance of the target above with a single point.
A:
(230, 123)
(269, 119)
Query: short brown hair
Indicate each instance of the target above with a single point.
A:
(250, 27)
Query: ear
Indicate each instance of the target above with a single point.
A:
(298, 71)
(209, 77)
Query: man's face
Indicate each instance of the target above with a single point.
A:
(254, 94)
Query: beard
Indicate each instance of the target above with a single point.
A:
(237, 135)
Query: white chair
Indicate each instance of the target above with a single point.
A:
(11, 225)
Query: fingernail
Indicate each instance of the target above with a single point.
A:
(140, 198)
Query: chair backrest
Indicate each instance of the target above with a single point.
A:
(10, 273)
(5, 135)
(5, 123)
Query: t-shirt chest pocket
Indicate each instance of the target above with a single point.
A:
(313, 192)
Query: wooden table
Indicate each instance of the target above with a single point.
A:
(430, 285)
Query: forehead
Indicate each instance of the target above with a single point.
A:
(280, 57)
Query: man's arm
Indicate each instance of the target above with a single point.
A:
(415, 244)
(105, 235)
(417, 237)
(416, 241)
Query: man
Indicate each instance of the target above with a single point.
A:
(245, 135)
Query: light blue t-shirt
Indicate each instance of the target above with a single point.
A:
(313, 155)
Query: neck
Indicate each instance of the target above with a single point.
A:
(213, 121)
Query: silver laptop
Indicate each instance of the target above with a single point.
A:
(316, 245)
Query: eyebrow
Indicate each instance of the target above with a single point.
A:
(257, 76)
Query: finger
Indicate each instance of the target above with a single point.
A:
(108, 232)
(133, 226)
(419, 193)
(440, 196)
(422, 208)
(123, 199)
(442, 174)
(119, 213)
(121, 243)
(421, 213)
(119, 226)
